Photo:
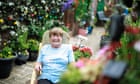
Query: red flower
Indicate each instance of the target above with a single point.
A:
(132, 30)
(135, 31)
(128, 28)
(86, 50)
(111, 55)
(75, 48)
(114, 45)
(131, 44)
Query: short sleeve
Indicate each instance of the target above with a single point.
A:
(39, 59)
(71, 55)
(41, 51)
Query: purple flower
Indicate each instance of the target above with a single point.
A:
(67, 5)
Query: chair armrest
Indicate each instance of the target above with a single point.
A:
(34, 77)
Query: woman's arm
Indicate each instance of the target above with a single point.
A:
(71, 55)
(38, 64)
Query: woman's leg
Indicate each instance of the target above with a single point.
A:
(44, 81)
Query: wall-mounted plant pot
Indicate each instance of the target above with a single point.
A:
(33, 55)
(21, 59)
(6, 65)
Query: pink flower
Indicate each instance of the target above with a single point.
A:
(79, 64)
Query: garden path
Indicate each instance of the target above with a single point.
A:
(20, 74)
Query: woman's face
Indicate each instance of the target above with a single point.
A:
(55, 40)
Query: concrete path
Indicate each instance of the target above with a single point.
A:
(20, 74)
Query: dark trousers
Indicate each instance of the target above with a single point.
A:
(45, 81)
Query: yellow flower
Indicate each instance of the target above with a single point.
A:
(46, 16)
(4, 43)
(9, 53)
(35, 12)
(1, 21)
(15, 23)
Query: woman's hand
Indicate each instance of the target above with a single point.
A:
(38, 66)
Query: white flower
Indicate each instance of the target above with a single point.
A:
(137, 46)
(0, 3)
(43, 1)
(12, 33)
(11, 4)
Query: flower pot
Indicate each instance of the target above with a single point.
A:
(6, 65)
(21, 59)
(33, 55)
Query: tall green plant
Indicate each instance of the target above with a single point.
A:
(22, 41)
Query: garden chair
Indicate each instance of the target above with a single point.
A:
(45, 40)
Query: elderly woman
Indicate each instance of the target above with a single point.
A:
(53, 58)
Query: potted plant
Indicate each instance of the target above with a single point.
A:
(22, 49)
(80, 52)
(7, 58)
(22, 58)
(33, 49)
